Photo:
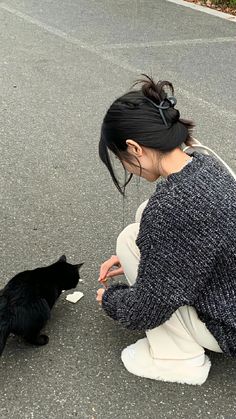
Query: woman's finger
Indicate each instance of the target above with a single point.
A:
(104, 270)
(115, 272)
(111, 273)
(107, 265)
(99, 295)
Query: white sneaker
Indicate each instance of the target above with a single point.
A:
(138, 361)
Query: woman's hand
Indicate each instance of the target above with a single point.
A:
(100, 293)
(107, 269)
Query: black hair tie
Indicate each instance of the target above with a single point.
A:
(164, 106)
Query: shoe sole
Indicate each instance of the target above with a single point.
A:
(177, 374)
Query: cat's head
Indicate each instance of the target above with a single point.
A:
(68, 274)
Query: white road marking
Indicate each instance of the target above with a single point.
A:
(229, 115)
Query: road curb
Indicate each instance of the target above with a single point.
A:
(205, 9)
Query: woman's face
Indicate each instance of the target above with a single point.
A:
(150, 164)
(139, 169)
(142, 161)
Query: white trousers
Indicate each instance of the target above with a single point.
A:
(184, 335)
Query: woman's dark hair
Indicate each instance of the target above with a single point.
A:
(146, 116)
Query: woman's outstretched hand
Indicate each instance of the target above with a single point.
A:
(110, 268)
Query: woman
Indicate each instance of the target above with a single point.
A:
(179, 256)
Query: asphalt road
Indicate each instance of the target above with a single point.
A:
(61, 64)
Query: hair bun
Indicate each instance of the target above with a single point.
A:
(157, 94)
(155, 91)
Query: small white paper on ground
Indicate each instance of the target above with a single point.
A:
(76, 296)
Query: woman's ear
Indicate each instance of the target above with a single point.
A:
(134, 148)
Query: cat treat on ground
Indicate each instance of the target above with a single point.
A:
(76, 296)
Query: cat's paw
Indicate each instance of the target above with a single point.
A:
(42, 340)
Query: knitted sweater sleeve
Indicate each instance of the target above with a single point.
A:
(175, 264)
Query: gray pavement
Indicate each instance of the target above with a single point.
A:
(61, 64)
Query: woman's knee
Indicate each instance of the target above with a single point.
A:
(139, 211)
(127, 239)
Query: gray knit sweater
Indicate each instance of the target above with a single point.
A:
(187, 242)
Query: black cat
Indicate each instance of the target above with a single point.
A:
(26, 300)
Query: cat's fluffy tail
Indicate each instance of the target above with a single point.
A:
(4, 323)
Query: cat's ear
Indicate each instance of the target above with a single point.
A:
(79, 265)
(62, 258)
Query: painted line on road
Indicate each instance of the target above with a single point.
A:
(204, 9)
(229, 115)
(46, 27)
(68, 38)
(174, 42)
